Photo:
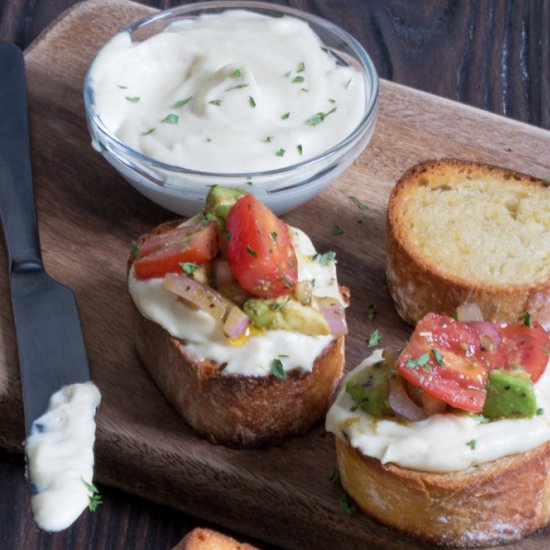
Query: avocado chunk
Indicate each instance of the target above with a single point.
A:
(510, 393)
(220, 200)
(369, 388)
(286, 314)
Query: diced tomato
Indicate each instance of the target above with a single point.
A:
(260, 250)
(525, 347)
(454, 370)
(164, 252)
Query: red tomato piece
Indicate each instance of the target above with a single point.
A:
(260, 250)
(526, 347)
(164, 255)
(445, 359)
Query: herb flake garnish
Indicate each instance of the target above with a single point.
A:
(335, 476)
(319, 117)
(301, 67)
(277, 369)
(374, 339)
(371, 312)
(134, 251)
(132, 99)
(251, 101)
(438, 357)
(94, 496)
(237, 87)
(181, 103)
(337, 230)
(122, 87)
(418, 362)
(346, 85)
(237, 73)
(189, 267)
(148, 132)
(472, 444)
(326, 258)
(526, 320)
(274, 235)
(347, 505)
(540, 411)
(481, 419)
(297, 79)
(216, 102)
(285, 116)
(269, 139)
(171, 119)
(251, 251)
(358, 203)
(300, 149)
(280, 152)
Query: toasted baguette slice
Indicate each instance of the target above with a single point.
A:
(207, 539)
(459, 231)
(236, 410)
(495, 503)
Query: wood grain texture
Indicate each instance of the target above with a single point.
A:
(88, 216)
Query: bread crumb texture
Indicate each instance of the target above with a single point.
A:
(486, 225)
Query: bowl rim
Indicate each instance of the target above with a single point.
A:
(366, 62)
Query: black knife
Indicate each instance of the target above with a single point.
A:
(50, 344)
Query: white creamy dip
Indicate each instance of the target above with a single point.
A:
(442, 442)
(234, 92)
(203, 334)
(60, 456)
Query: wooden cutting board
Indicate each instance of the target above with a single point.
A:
(88, 217)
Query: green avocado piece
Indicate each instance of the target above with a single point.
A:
(510, 393)
(370, 387)
(286, 314)
(220, 200)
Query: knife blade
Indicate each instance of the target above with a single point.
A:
(50, 342)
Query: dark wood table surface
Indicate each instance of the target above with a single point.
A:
(492, 54)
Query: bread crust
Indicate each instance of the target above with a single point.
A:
(236, 410)
(418, 287)
(494, 503)
(207, 539)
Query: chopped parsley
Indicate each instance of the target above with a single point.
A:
(216, 102)
(326, 258)
(319, 117)
(306, 90)
(171, 119)
(280, 152)
(269, 139)
(285, 116)
(371, 312)
(122, 87)
(94, 496)
(132, 99)
(181, 103)
(438, 357)
(283, 355)
(472, 444)
(335, 477)
(287, 283)
(358, 203)
(481, 419)
(325, 49)
(278, 305)
(134, 251)
(374, 339)
(189, 267)
(526, 320)
(337, 230)
(301, 67)
(331, 100)
(148, 132)
(252, 252)
(300, 149)
(346, 85)
(237, 73)
(227, 235)
(274, 235)
(277, 369)
(298, 79)
(251, 101)
(347, 505)
(418, 362)
(237, 87)
(540, 411)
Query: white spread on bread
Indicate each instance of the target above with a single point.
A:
(233, 92)
(203, 335)
(60, 456)
(442, 442)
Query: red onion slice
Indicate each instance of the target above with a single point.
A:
(401, 403)
(335, 316)
(235, 323)
(488, 330)
(197, 294)
(466, 313)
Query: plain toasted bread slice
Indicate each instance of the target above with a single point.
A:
(460, 231)
(207, 539)
(494, 503)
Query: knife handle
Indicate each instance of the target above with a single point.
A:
(17, 208)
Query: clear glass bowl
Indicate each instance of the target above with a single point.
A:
(182, 190)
